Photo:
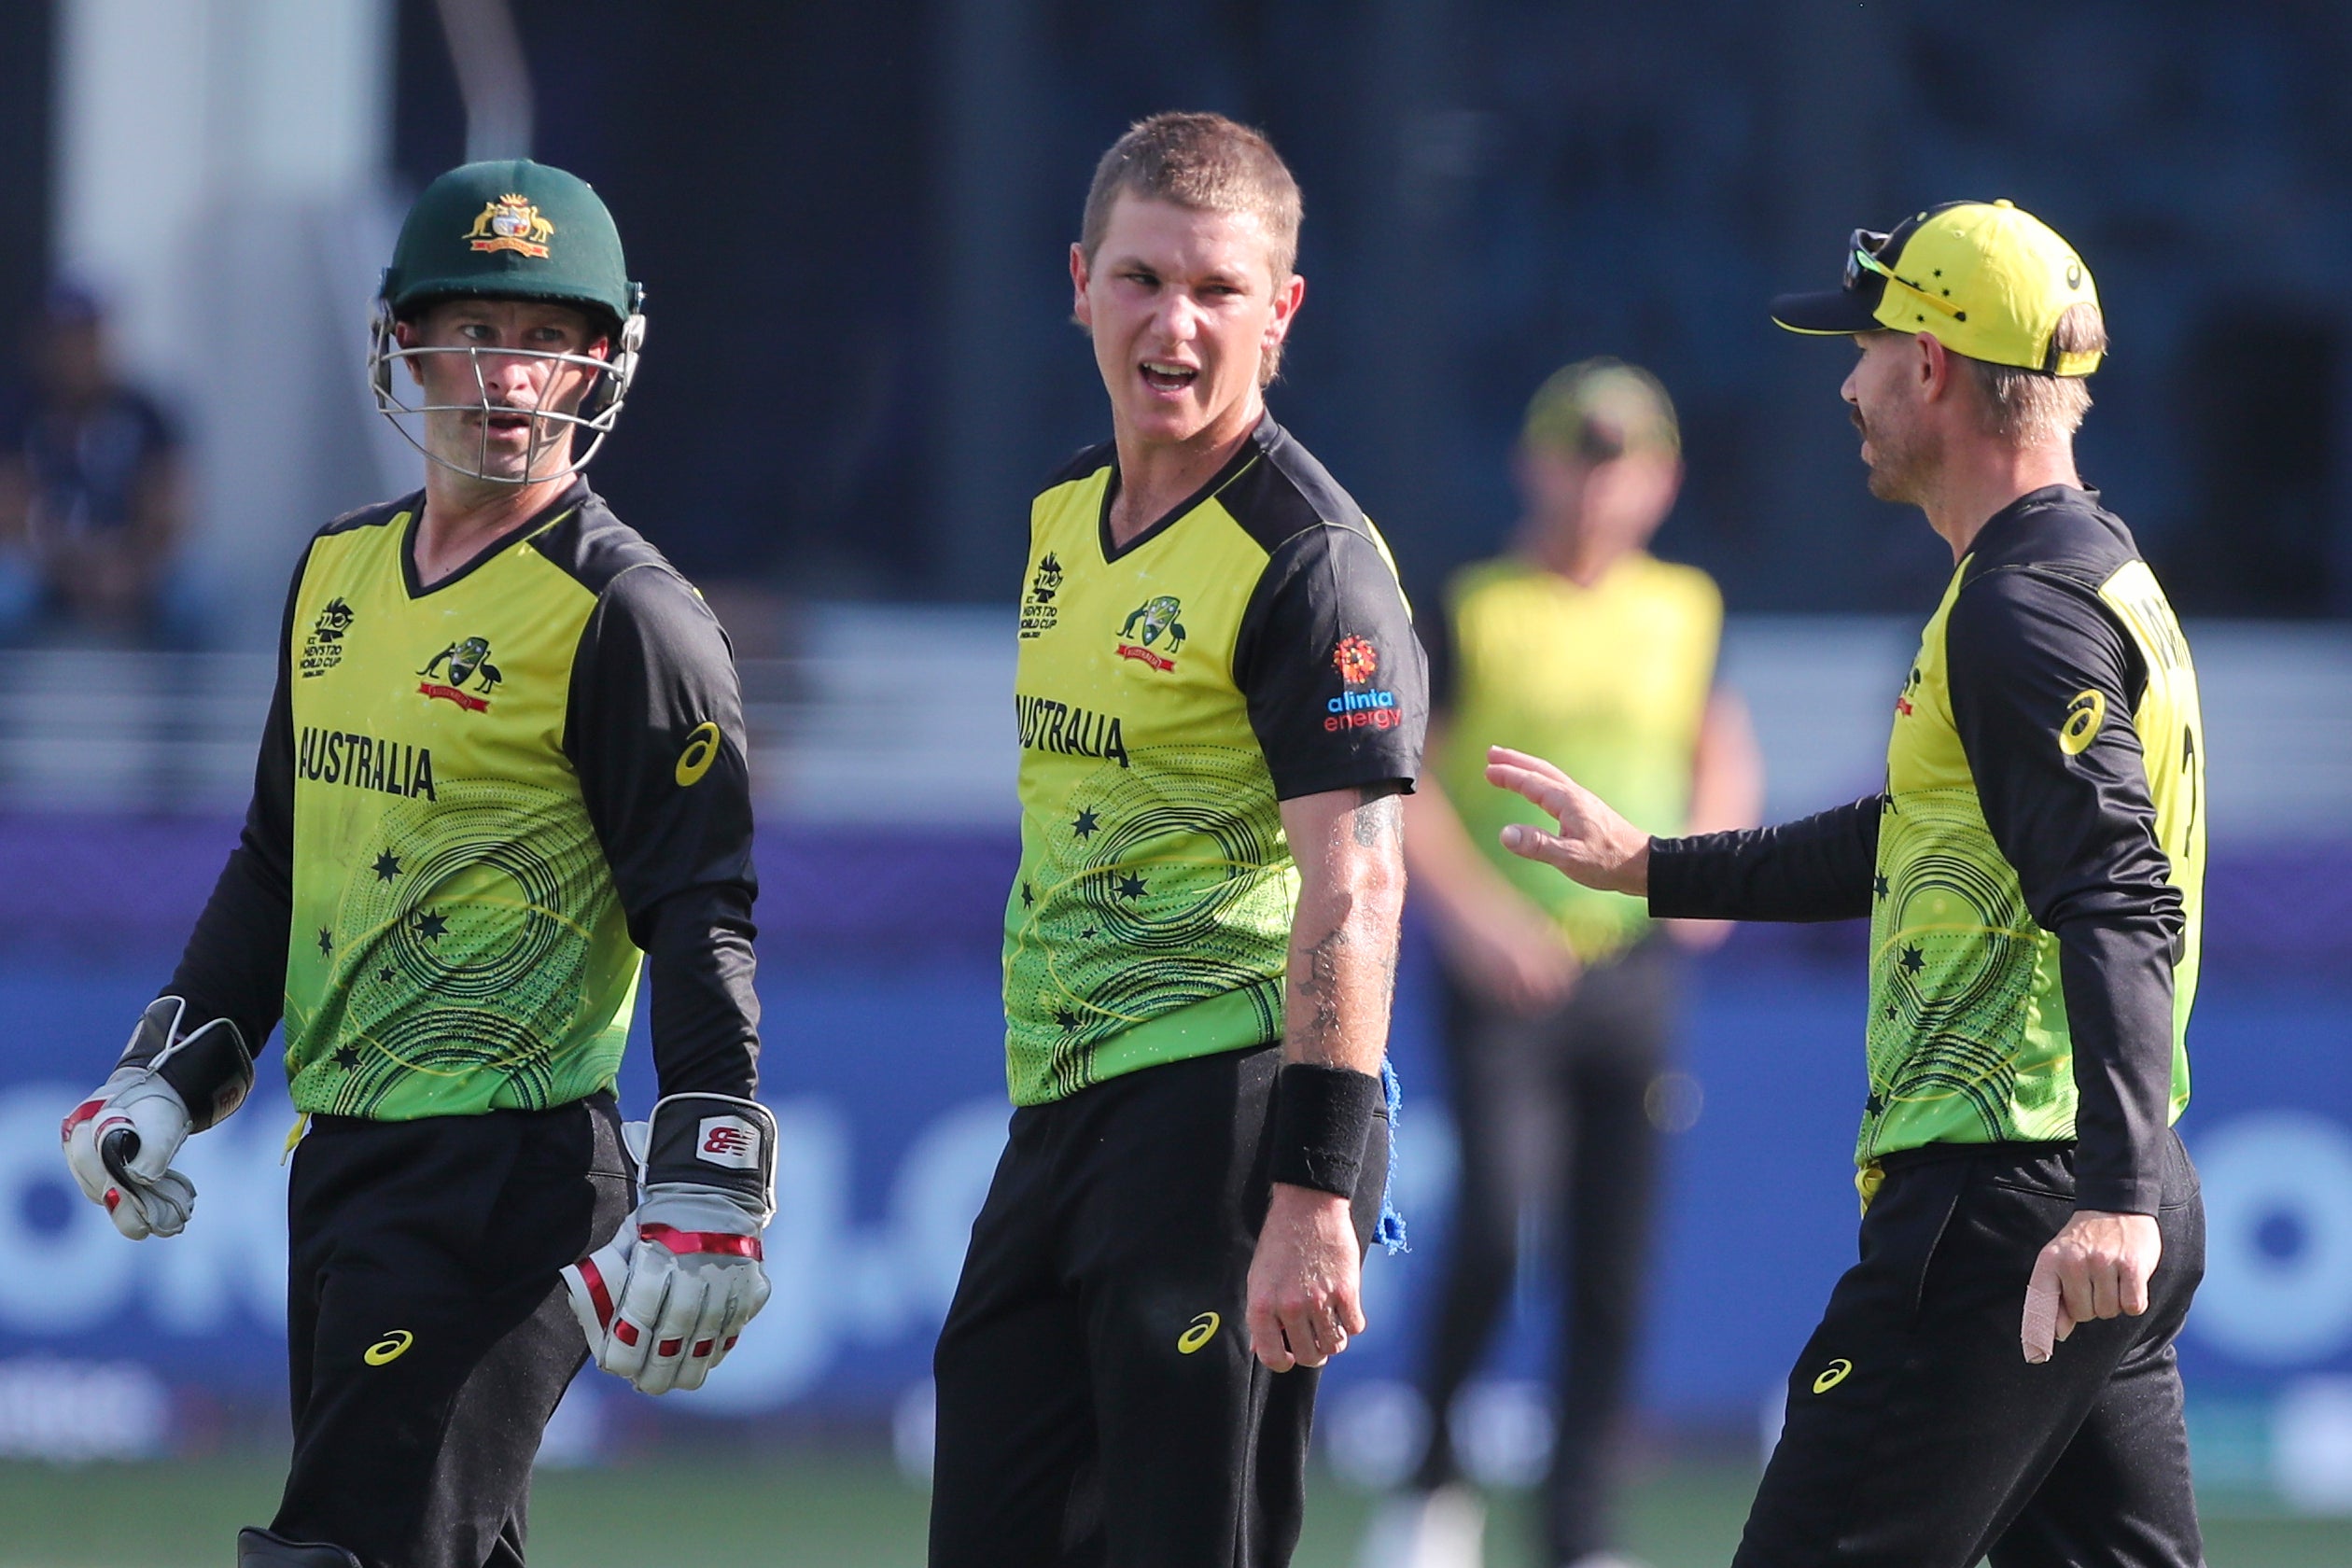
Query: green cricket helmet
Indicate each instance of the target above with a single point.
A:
(510, 229)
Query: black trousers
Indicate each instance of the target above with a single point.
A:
(1918, 1436)
(1098, 1400)
(429, 1335)
(1554, 1118)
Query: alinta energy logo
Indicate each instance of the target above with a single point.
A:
(1039, 612)
(463, 662)
(1361, 706)
(323, 650)
(1156, 617)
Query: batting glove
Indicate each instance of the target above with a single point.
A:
(663, 1301)
(120, 1142)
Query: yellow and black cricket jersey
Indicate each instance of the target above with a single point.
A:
(476, 805)
(2034, 873)
(1610, 681)
(1250, 647)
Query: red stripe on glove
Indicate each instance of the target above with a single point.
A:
(79, 1114)
(684, 1241)
(598, 1297)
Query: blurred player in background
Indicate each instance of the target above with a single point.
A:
(1995, 1375)
(1221, 700)
(504, 766)
(1560, 1000)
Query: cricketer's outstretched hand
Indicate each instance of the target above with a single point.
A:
(1595, 845)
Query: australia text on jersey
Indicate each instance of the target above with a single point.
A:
(364, 763)
(1048, 724)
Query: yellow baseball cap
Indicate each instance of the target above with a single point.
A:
(1988, 278)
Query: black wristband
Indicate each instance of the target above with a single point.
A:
(714, 1141)
(1322, 1118)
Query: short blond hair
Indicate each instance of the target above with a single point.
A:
(1207, 164)
(2035, 408)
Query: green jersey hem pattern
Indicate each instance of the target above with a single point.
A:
(1236, 1020)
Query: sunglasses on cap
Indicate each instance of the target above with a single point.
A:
(1863, 251)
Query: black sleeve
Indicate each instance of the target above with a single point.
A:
(2080, 829)
(1817, 868)
(655, 728)
(234, 964)
(1337, 688)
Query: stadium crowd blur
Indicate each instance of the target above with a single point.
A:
(92, 492)
(1495, 187)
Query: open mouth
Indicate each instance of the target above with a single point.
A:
(1166, 375)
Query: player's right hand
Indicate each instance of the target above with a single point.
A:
(1306, 1285)
(1595, 846)
(664, 1300)
(120, 1142)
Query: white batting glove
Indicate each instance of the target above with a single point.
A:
(666, 1299)
(120, 1142)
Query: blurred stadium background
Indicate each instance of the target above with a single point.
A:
(850, 220)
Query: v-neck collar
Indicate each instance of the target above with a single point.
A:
(1262, 436)
(547, 516)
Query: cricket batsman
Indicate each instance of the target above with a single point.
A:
(1994, 1377)
(503, 770)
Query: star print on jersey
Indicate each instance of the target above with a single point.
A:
(449, 902)
(346, 1056)
(1085, 825)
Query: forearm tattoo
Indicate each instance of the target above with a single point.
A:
(1349, 970)
(1318, 984)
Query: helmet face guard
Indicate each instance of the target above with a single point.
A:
(593, 420)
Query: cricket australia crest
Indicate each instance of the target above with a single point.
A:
(512, 223)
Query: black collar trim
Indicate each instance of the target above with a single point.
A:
(575, 495)
(1261, 439)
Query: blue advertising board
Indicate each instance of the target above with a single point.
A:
(883, 1065)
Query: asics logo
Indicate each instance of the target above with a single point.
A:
(1202, 1330)
(702, 749)
(2085, 713)
(390, 1347)
(1832, 1374)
